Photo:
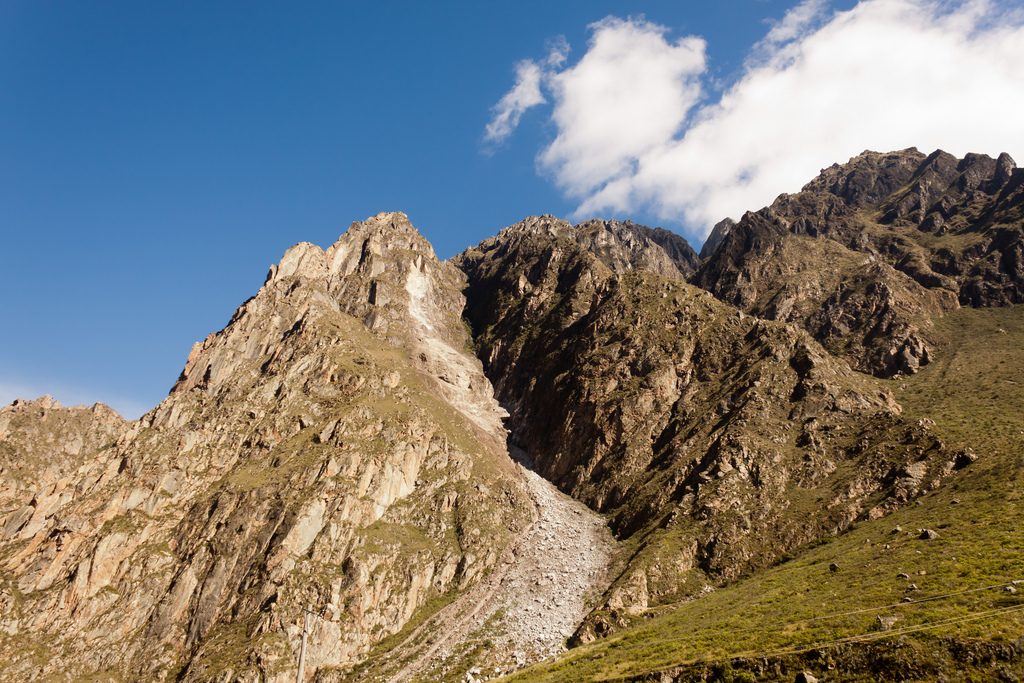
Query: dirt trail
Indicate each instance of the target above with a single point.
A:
(527, 607)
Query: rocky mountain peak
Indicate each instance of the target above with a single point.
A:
(388, 232)
(105, 418)
(545, 225)
(336, 444)
(42, 444)
(910, 185)
(870, 251)
(382, 272)
(367, 247)
(944, 188)
(624, 246)
(619, 246)
(1005, 166)
(716, 236)
(868, 177)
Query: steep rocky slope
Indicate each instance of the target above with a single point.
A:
(716, 441)
(880, 602)
(334, 448)
(521, 613)
(716, 237)
(42, 442)
(868, 254)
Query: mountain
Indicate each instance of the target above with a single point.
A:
(570, 453)
(867, 255)
(929, 592)
(716, 237)
(334, 448)
(706, 435)
(628, 246)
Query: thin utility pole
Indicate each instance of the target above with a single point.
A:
(300, 677)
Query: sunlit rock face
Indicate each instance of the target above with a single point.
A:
(327, 449)
(869, 252)
(339, 448)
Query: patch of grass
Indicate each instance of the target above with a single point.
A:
(382, 533)
(126, 523)
(230, 647)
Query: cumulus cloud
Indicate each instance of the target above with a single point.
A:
(629, 93)
(632, 134)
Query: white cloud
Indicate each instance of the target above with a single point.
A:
(526, 92)
(888, 74)
(509, 109)
(629, 93)
(793, 24)
(558, 52)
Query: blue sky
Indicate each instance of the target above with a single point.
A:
(155, 158)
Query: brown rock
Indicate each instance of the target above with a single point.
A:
(280, 472)
(860, 286)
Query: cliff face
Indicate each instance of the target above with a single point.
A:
(870, 252)
(335, 448)
(708, 436)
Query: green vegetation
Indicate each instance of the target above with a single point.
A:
(381, 534)
(229, 648)
(974, 392)
(126, 523)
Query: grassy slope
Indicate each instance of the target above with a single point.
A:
(975, 394)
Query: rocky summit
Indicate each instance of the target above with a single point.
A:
(870, 252)
(570, 453)
(335, 449)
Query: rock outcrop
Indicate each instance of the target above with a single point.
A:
(335, 448)
(43, 448)
(626, 246)
(868, 253)
(707, 435)
(716, 237)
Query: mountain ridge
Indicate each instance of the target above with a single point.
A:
(348, 443)
(867, 254)
(297, 441)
